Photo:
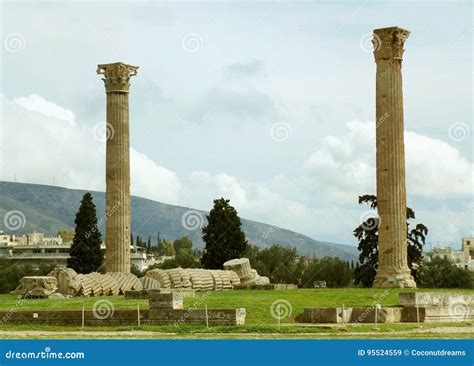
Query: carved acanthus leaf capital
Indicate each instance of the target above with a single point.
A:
(388, 42)
(117, 76)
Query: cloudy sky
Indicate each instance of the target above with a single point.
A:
(269, 104)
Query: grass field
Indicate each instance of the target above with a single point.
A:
(259, 320)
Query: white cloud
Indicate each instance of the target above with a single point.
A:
(153, 181)
(345, 165)
(41, 142)
(439, 180)
(436, 169)
(253, 200)
(37, 103)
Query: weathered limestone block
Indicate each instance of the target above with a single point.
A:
(109, 285)
(434, 299)
(384, 315)
(126, 281)
(86, 285)
(239, 265)
(263, 280)
(182, 292)
(326, 315)
(37, 286)
(200, 279)
(352, 315)
(251, 279)
(95, 283)
(234, 278)
(149, 283)
(134, 294)
(217, 280)
(197, 316)
(456, 312)
(207, 282)
(175, 276)
(68, 281)
(186, 278)
(226, 282)
(161, 276)
(165, 300)
(195, 279)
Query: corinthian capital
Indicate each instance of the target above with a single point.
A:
(117, 76)
(388, 42)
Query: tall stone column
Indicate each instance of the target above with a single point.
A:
(117, 169)
(393, 269)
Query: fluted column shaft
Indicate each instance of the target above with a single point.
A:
(117, 232)
(393, 269)
(118, 223)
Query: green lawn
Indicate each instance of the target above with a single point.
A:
(259, 320)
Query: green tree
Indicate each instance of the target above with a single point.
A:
(66, 234)
(184, 255)
(138, 241)
(135, 270)
(334, 271)
(148, 245)
(368, 237)
(279, 264)
(85, 253)
(442, 273)
(223, 235)
(165, 248)
(11, 273)
(183, 244)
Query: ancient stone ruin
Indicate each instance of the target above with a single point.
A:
(393, 269)
(37, 286)
(421, 307)
(247, 275)
(67, 282)
(117, 170)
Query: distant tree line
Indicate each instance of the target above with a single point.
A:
(11, 274)
(224, 240)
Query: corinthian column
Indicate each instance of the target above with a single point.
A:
(393, 270)
(117, 168)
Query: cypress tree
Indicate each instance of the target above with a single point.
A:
(223, 235)
(85, 255)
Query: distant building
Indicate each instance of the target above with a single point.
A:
(35, 250)
(463, 258)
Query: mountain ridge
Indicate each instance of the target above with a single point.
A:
(49, 208)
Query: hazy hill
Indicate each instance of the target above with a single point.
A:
(49, 208)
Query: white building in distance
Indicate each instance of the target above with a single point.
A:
(35, 250)
(463, 258)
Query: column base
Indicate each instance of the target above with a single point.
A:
(394, 279)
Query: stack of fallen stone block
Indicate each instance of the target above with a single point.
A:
(415, 307)
(149, 283)
(94, 284)
(167, 308)
(194, 278)
(165, 300)
(247, 275)
(36, 286)
(236, 272)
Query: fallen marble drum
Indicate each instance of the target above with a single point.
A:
(37, 286)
